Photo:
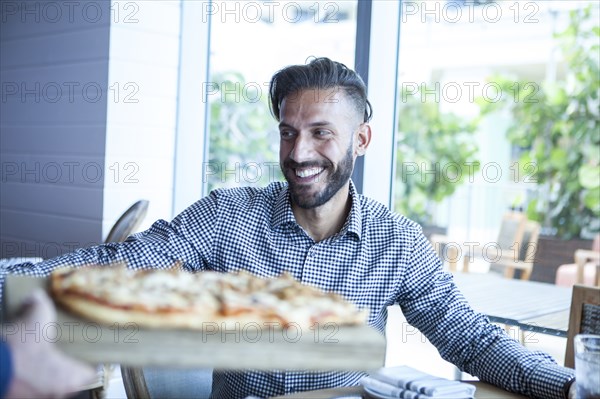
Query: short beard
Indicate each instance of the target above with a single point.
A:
(337, 180)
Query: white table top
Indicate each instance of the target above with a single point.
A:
(522, 303)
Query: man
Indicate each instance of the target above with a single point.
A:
(319, 229)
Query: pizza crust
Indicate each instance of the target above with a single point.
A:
(168, 299)
(105, 314)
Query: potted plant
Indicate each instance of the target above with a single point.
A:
(436, 153)
(242, 147)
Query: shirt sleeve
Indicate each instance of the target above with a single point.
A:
(186, 239)
(6, 369)
(431, 302)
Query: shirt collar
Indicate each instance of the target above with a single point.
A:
(283, 215)
(282, 212)
(354, 221)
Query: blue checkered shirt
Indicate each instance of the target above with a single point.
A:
(378, 259)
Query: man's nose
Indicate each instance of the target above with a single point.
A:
(303, 149)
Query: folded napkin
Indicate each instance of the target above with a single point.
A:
(404, 382)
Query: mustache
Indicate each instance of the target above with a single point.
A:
(291, 164)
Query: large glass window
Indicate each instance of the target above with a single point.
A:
(249, 42)
(475, 77)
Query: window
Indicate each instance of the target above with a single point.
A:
(457, 165)
(249, 42)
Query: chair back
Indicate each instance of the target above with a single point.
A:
(516, 245)
(511, 231)
(528, 248)
(134, 383)
(584, 317)
(128, 222)
(585, 270)
(596, 243)
(517, 241)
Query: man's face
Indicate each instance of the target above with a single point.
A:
(318, 145)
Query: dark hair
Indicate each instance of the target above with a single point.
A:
(320, 73)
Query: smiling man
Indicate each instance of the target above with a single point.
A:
(321, 136)
(320, 230)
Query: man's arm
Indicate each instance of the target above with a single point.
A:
(187, 239)
(431, 302)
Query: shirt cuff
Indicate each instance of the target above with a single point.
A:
(551, 381)
(568, 386)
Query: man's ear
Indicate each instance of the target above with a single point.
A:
(362, 139)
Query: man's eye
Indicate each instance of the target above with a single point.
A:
(321, 133)
(286, 134)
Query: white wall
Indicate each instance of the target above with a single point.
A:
(141, 120)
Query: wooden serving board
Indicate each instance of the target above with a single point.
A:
(251, 345)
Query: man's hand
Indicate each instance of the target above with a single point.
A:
(40, 370)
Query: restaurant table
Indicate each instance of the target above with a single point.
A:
(483, 391)
(556, 323)
(530, 305)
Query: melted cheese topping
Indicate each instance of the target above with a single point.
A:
(207, 294)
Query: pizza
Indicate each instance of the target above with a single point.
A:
(174, 298)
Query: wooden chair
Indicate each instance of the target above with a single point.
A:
(509, 238)
(521, 253)
(516, 246)
(585, 270)
(446, 250)
(584, 317)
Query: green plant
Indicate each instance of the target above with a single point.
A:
(435, 154)
(243, 139)
(557, 127)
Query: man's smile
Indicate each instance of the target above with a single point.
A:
(308, 173)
